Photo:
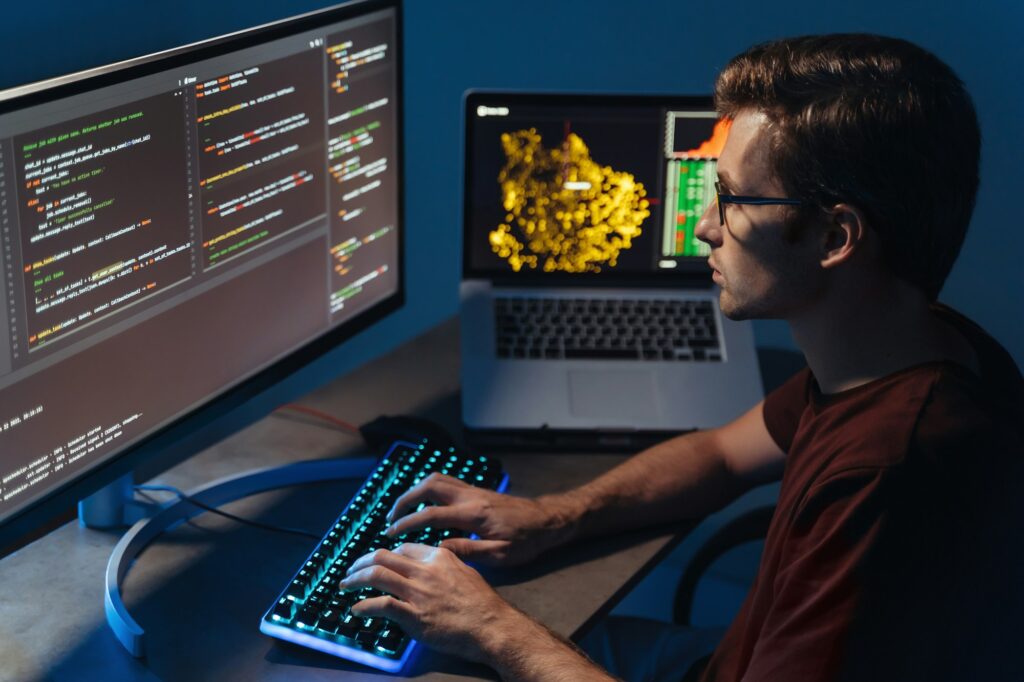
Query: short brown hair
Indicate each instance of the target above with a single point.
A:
(875, 122)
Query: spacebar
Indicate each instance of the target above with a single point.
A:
(600, 354)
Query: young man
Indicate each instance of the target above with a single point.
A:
(846, 187)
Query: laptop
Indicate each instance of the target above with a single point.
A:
(588, 314)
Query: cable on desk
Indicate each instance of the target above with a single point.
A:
(156, 503)
(340, 423)
(237, 519)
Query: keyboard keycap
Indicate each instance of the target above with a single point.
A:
(367, 639)
(390, 639)
(284, 608)
(329, 620)
(348, 626)
(308, 615)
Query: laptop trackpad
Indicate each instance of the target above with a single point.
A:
(614, 394)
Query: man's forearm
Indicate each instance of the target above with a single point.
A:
(681, 478)
(524, 650)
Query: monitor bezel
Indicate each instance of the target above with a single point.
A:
(233, 408)
(693, 272)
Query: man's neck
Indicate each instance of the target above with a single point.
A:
(850, 340)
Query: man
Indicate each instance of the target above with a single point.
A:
(846, 187)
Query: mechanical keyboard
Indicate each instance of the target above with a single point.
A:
(313, 612)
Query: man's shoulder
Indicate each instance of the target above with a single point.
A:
(935, 421)
(871, 426)
(967, 410)
(996, 373)
(965, 419)
(941, 408)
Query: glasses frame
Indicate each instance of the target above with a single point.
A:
(722, 199)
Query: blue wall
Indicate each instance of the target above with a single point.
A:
(652, 46)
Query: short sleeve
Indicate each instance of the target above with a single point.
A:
(820, 585)
(784, 406)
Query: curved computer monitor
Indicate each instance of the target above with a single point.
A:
(181, 232)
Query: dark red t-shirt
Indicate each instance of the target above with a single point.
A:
(895, 551)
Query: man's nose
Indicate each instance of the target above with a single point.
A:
(709, 229)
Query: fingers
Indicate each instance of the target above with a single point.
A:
(386, 607)
(395, 561)
(487, 552)
(459, 516)
(381, 578)
(434, 488)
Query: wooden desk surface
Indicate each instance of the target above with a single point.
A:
(200, 590)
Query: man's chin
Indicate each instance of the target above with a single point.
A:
(736, 315)
(730, 308)
(737, 311)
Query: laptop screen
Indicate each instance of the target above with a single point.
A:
(588, 188)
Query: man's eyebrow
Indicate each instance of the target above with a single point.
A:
(724, 179)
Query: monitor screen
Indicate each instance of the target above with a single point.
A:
(176, 226)
(590, 187)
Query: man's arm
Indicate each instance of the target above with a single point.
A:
(686, 477)
(527, 651)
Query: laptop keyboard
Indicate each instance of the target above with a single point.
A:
(606, 329)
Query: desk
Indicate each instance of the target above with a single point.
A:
(200, 590)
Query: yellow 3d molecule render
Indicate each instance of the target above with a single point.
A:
(564, 211)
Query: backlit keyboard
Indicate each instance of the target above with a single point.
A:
(313, 612)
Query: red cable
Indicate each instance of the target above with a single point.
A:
(351, 428)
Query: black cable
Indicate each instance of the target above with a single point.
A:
(237, 519)
(156, 503)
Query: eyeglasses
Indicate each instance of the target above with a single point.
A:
(722, 199)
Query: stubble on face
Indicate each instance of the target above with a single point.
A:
(764, 274)
(768, 279)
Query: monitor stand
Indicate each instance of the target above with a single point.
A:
(115, 505)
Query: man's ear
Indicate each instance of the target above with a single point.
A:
(844, 235)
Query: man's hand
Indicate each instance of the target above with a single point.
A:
(512, 530)
(440, 600)
(448, 606)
